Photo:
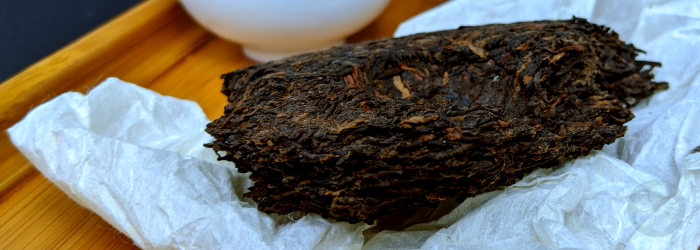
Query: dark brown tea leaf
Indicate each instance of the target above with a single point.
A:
(360, 131)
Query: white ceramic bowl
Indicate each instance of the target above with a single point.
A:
(273, 29)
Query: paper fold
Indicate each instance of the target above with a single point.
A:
(136, 159)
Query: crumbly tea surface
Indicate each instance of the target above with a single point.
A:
(356, 132)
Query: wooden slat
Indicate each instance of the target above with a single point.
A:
(51, 75)
(155, 45)
(13, 166)
(38, 215)
(142, 62)
(389, 20)
(152, 56)
(206, 65)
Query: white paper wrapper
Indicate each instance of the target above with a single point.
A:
(638, 193)
(135, 158)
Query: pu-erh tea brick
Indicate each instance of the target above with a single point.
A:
(358, 131)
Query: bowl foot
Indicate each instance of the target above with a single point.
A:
(267, 54)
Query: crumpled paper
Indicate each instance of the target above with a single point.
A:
(640, 192)
(135, 158)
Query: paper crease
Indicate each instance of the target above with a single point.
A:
(135, 158)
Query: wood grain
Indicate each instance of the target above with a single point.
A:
(56, 73)
(155, 45)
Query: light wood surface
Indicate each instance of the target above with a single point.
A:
(155, 45)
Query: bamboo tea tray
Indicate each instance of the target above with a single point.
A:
(155, 45)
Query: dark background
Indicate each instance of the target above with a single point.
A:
(32, 29)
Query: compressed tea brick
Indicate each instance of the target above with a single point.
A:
(359, 131)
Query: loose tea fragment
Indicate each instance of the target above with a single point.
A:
(359, 131)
